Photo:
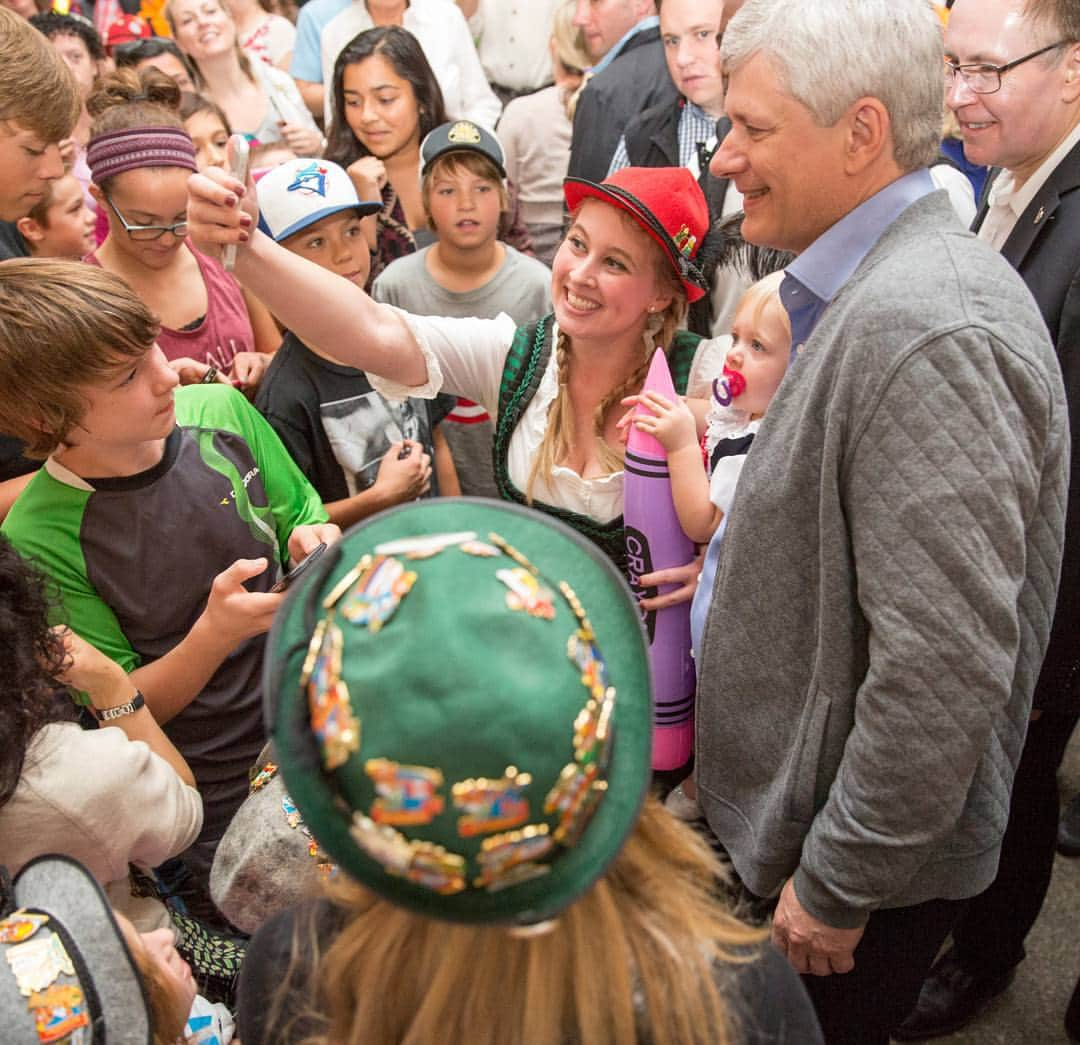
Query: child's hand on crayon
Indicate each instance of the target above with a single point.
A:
(623, 424)
(672, 424)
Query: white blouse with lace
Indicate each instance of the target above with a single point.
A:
(466, 357)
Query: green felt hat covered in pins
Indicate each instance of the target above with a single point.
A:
(459, 696)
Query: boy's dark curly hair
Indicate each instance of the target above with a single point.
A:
(52, 24)
(33, 655)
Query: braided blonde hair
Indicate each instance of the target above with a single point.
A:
(660, 330)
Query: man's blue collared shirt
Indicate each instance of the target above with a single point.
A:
(815, 277)
(645, 23)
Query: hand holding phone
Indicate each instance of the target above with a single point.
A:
(238, 152)
(300, 568)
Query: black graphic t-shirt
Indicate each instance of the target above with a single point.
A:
(334, 424)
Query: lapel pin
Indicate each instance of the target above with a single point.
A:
(1039, 215)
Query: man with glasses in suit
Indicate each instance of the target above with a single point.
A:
(1012, 74)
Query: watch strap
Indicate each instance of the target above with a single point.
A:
(133, 705)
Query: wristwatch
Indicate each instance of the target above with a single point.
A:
(133, 705)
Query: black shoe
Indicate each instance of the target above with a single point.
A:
(1068, 839)
(1072, 1015)
(951, 997)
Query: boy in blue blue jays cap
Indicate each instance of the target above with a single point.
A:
(362, 453)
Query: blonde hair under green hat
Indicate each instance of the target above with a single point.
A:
(459, 696)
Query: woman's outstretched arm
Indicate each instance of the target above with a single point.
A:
(319, 307)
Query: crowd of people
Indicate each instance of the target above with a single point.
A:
(258, 786)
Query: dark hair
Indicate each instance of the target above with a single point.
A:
(130, 54)
(128, 100)
(33, 655)
(51, 25)
(191, 104)
(403, 51)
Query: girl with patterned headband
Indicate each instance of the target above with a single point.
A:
(140, 157)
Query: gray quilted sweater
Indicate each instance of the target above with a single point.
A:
(885, 588)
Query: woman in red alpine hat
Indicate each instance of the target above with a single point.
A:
(620, 284)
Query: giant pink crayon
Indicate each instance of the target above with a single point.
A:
(655, 541)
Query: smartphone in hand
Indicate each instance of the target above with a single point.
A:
(300, 568)
(238, 152)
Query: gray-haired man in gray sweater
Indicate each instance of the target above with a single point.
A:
(886, 580)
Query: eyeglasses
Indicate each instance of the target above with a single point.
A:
(146, 233)
(983, 78)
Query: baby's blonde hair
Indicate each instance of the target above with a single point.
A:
(763, 294)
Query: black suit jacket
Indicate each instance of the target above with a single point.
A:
(635, 80)
(652, 140)
(1044, 247)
